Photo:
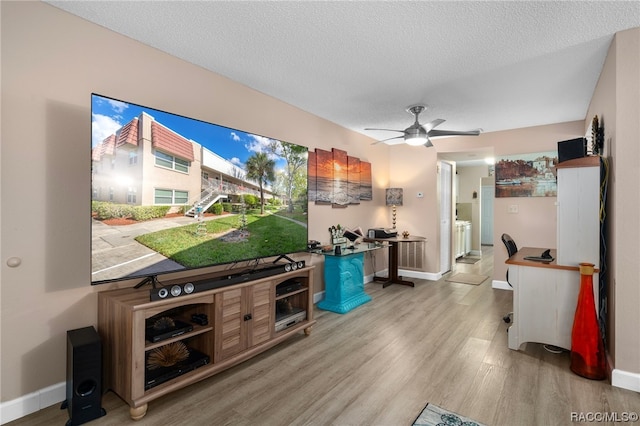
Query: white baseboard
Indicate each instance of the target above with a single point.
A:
(30, 403)
(419, 274)
(501, 285)
(369, 278)
(405, 273)
(408, 273)
(625, 380)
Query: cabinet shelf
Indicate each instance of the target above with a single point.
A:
(292, 293)
(241, 324)
(197, 330)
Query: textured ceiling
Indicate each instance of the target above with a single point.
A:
(489, 65)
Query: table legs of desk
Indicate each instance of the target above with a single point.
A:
(393, 277)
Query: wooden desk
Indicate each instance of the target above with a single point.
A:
(393, 277)
(545, 296)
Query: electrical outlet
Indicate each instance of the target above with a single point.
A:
(513, 208)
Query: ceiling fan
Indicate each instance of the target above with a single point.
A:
(417, 134)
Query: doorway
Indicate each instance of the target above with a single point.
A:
(446, 214)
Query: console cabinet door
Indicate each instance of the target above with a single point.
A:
(247, 318)
(262, 308)
(229, 320)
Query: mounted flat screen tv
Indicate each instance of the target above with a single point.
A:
(171, 193)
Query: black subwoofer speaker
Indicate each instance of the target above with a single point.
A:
(84, 376)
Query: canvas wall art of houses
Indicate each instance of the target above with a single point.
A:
(527, 175)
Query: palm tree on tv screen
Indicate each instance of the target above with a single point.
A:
(261, 168)
(295, 157)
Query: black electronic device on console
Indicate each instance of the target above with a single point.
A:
(382, 233)
(200, 319)
(174, 328)
(572, 148)
(544, 257)
(288, 287)
(155, 376)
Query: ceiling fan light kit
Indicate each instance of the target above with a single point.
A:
(417, 134)
(416, 140)
(416, 137)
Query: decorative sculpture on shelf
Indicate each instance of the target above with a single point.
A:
(167, 355)
(597, 136)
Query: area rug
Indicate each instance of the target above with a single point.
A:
(461, 277)
(433, 415)
(468, 260)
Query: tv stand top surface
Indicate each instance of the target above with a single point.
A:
(140, 296)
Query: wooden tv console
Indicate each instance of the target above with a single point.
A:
(241, 324)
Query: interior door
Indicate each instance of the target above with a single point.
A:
(446, 203)
(487, 194)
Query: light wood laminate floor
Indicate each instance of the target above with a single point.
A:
(440, 342)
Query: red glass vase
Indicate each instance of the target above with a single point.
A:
(587, 348)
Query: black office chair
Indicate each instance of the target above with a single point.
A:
(512, 249)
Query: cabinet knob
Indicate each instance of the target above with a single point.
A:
(247, 317)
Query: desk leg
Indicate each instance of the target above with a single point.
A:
(393, 269)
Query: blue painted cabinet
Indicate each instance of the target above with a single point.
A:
(344, 283)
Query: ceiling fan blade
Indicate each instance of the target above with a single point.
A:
(439, 133)
(433, 124)
(388, 139)
(428, 144)
(388, 130)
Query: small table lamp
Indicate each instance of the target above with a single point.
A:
(393, 199)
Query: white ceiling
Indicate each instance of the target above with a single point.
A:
(479, 64)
